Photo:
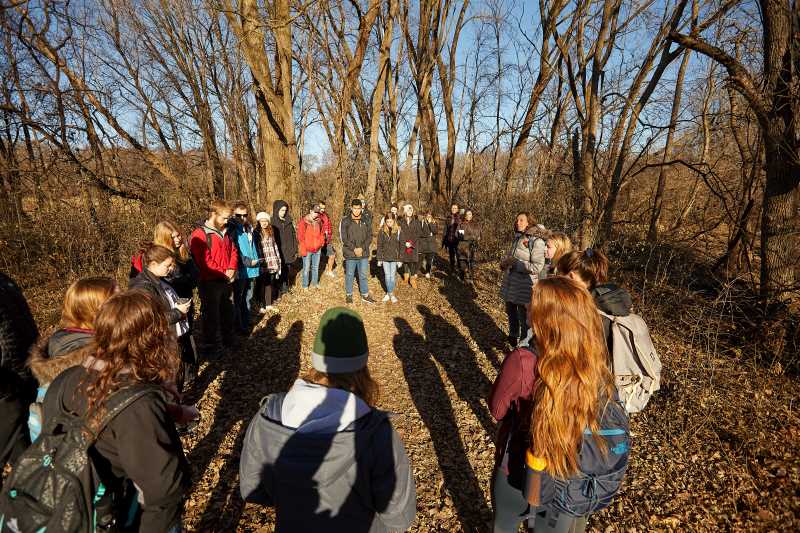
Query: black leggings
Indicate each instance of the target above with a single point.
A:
(410, 268)
(427, 262)
(517, 320)
(266, 285)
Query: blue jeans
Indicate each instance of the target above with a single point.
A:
(242, 296)
(350, 266)
(389, 274)
(311, 264)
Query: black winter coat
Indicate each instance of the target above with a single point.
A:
(146, 281)
(285, 233)
(410, 232)
(388, 246)
(141, 444)
(183, 278)
(428, 240)
(355, 234)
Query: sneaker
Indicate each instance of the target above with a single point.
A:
(330, 273)
(270, 308)
(394, 299)
(428, 275)
(264, 310)
(348, 299)
(386, 298)
(367, 298)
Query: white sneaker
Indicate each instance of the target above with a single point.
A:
(386, 298)
(428, 275)
(262, 311)
(270, 308)
(394, 300)
(330, 273)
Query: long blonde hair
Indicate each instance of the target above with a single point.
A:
(562, 244)
(162, 235)
(573, 372)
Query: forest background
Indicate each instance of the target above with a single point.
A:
(664, 131)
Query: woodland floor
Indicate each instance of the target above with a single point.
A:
(716, 449)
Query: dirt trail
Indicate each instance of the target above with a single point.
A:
(435, 355)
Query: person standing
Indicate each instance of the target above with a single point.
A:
(356, 236)
(327, 231)
(469, 234)
(267, 281)
(551, 422)
(311, 239)
(427, 245)
(389, 253)
(216, 258)
(246, 246)
(410, 233)
(450, 236)
(286, 237)
(521, 267)
(321, 454)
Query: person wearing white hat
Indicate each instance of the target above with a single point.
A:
(270, 258)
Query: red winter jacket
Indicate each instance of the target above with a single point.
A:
(309, 236)
(511, 403)
(327, 226)
(213, 263)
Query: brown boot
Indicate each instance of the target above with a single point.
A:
(406, 277)
(414, 281)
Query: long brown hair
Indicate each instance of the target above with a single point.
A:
(385, 228)
(359, 383)
(133, 342)
(162, 235)
(573, 372)
(83, 300)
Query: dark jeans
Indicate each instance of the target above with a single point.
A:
(466, 258)
(242, 296)
(517, 320)
(452, 251)
(427, 262)
(216, 312)
(188, 368)
(511, 508)
(410, 268)
(264, 290)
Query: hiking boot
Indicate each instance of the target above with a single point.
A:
(413, 282)
(386, 298)
(512, 341)
(348, 299)
(367, 299)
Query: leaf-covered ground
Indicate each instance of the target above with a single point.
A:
(717, 448)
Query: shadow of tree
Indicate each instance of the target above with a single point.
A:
(429, 395)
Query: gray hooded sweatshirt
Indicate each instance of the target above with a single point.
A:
(327, 462)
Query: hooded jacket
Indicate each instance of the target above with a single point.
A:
(528, 254)
(212, 263)
(247, 249)
(612, 300)
(327, 462)
(285, 234)
(310, 236)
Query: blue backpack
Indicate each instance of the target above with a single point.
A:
(601, 474)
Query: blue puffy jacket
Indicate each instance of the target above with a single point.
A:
(248, 251)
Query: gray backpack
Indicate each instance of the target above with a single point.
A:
(635, 363)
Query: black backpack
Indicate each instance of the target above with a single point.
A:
(52, 487)
(600, 476)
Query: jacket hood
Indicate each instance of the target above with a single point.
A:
(276, 207)
(612, 300)
(64, 349)
(319, 452)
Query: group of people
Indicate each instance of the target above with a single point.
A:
(321, 453)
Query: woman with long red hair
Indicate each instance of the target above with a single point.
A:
(138, 455)
(546, 397)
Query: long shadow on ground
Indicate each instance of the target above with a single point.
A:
(482, 327)
(429, 395)
(264, 364)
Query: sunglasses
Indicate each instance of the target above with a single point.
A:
(241, 215)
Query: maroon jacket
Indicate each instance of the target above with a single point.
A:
(511, 403)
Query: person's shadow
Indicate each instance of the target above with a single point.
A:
(264, 364)
(482, 327)
(429, 395)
